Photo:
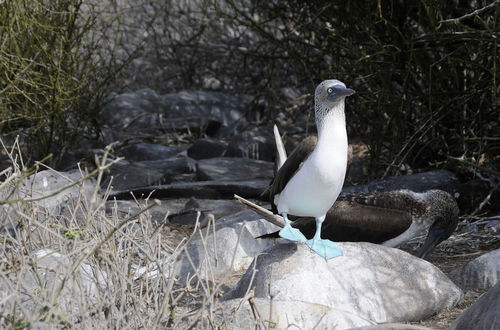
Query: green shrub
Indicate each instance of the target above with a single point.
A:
(53, 77)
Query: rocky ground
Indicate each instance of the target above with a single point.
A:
(194, 151)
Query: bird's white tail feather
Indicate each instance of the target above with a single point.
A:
(265, 214)
(280, 148)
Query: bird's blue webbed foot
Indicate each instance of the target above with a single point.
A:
(325, 248)
(290, 233)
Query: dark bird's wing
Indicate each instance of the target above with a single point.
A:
(403, 200)
(374, 218)
(349, 221)
(291, 165)
(384, 216)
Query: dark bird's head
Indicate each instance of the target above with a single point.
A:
(441, 215)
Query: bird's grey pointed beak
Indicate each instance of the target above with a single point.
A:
(339, 92)
(434, 237)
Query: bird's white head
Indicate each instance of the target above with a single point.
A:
(329, 95)
(332, 91)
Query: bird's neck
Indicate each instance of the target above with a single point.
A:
(332, 134)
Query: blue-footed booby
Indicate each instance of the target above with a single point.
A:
(310, 180)
(388, 218)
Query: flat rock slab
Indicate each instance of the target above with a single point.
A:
(234, 169)
(206, 148)
(374, 282)
(208, 208)
(228, 248)
(287, 315)
(480, 273)
(128, 175)
(420, 182)
(484, 314)
(149, 151)
(201, 189)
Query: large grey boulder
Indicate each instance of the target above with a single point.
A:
(146, 111)
(484, 314)
(50, 193)
(374, 282)
(228, 248)
(129, 109)
(234, 169)
(217, 106)
(47, 282)
(278, 314)
(480, 273)
(45, 183)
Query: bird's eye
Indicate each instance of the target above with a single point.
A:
(329, 90)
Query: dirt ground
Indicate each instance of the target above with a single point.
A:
(463, 246)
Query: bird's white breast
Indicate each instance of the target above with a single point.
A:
(317, 184)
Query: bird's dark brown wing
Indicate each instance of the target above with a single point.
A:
(348, 221)
(404, 200)
(291, 165)
(355, 222)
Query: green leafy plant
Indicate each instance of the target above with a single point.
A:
(54, 74)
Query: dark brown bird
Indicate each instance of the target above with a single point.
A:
(388, 218)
